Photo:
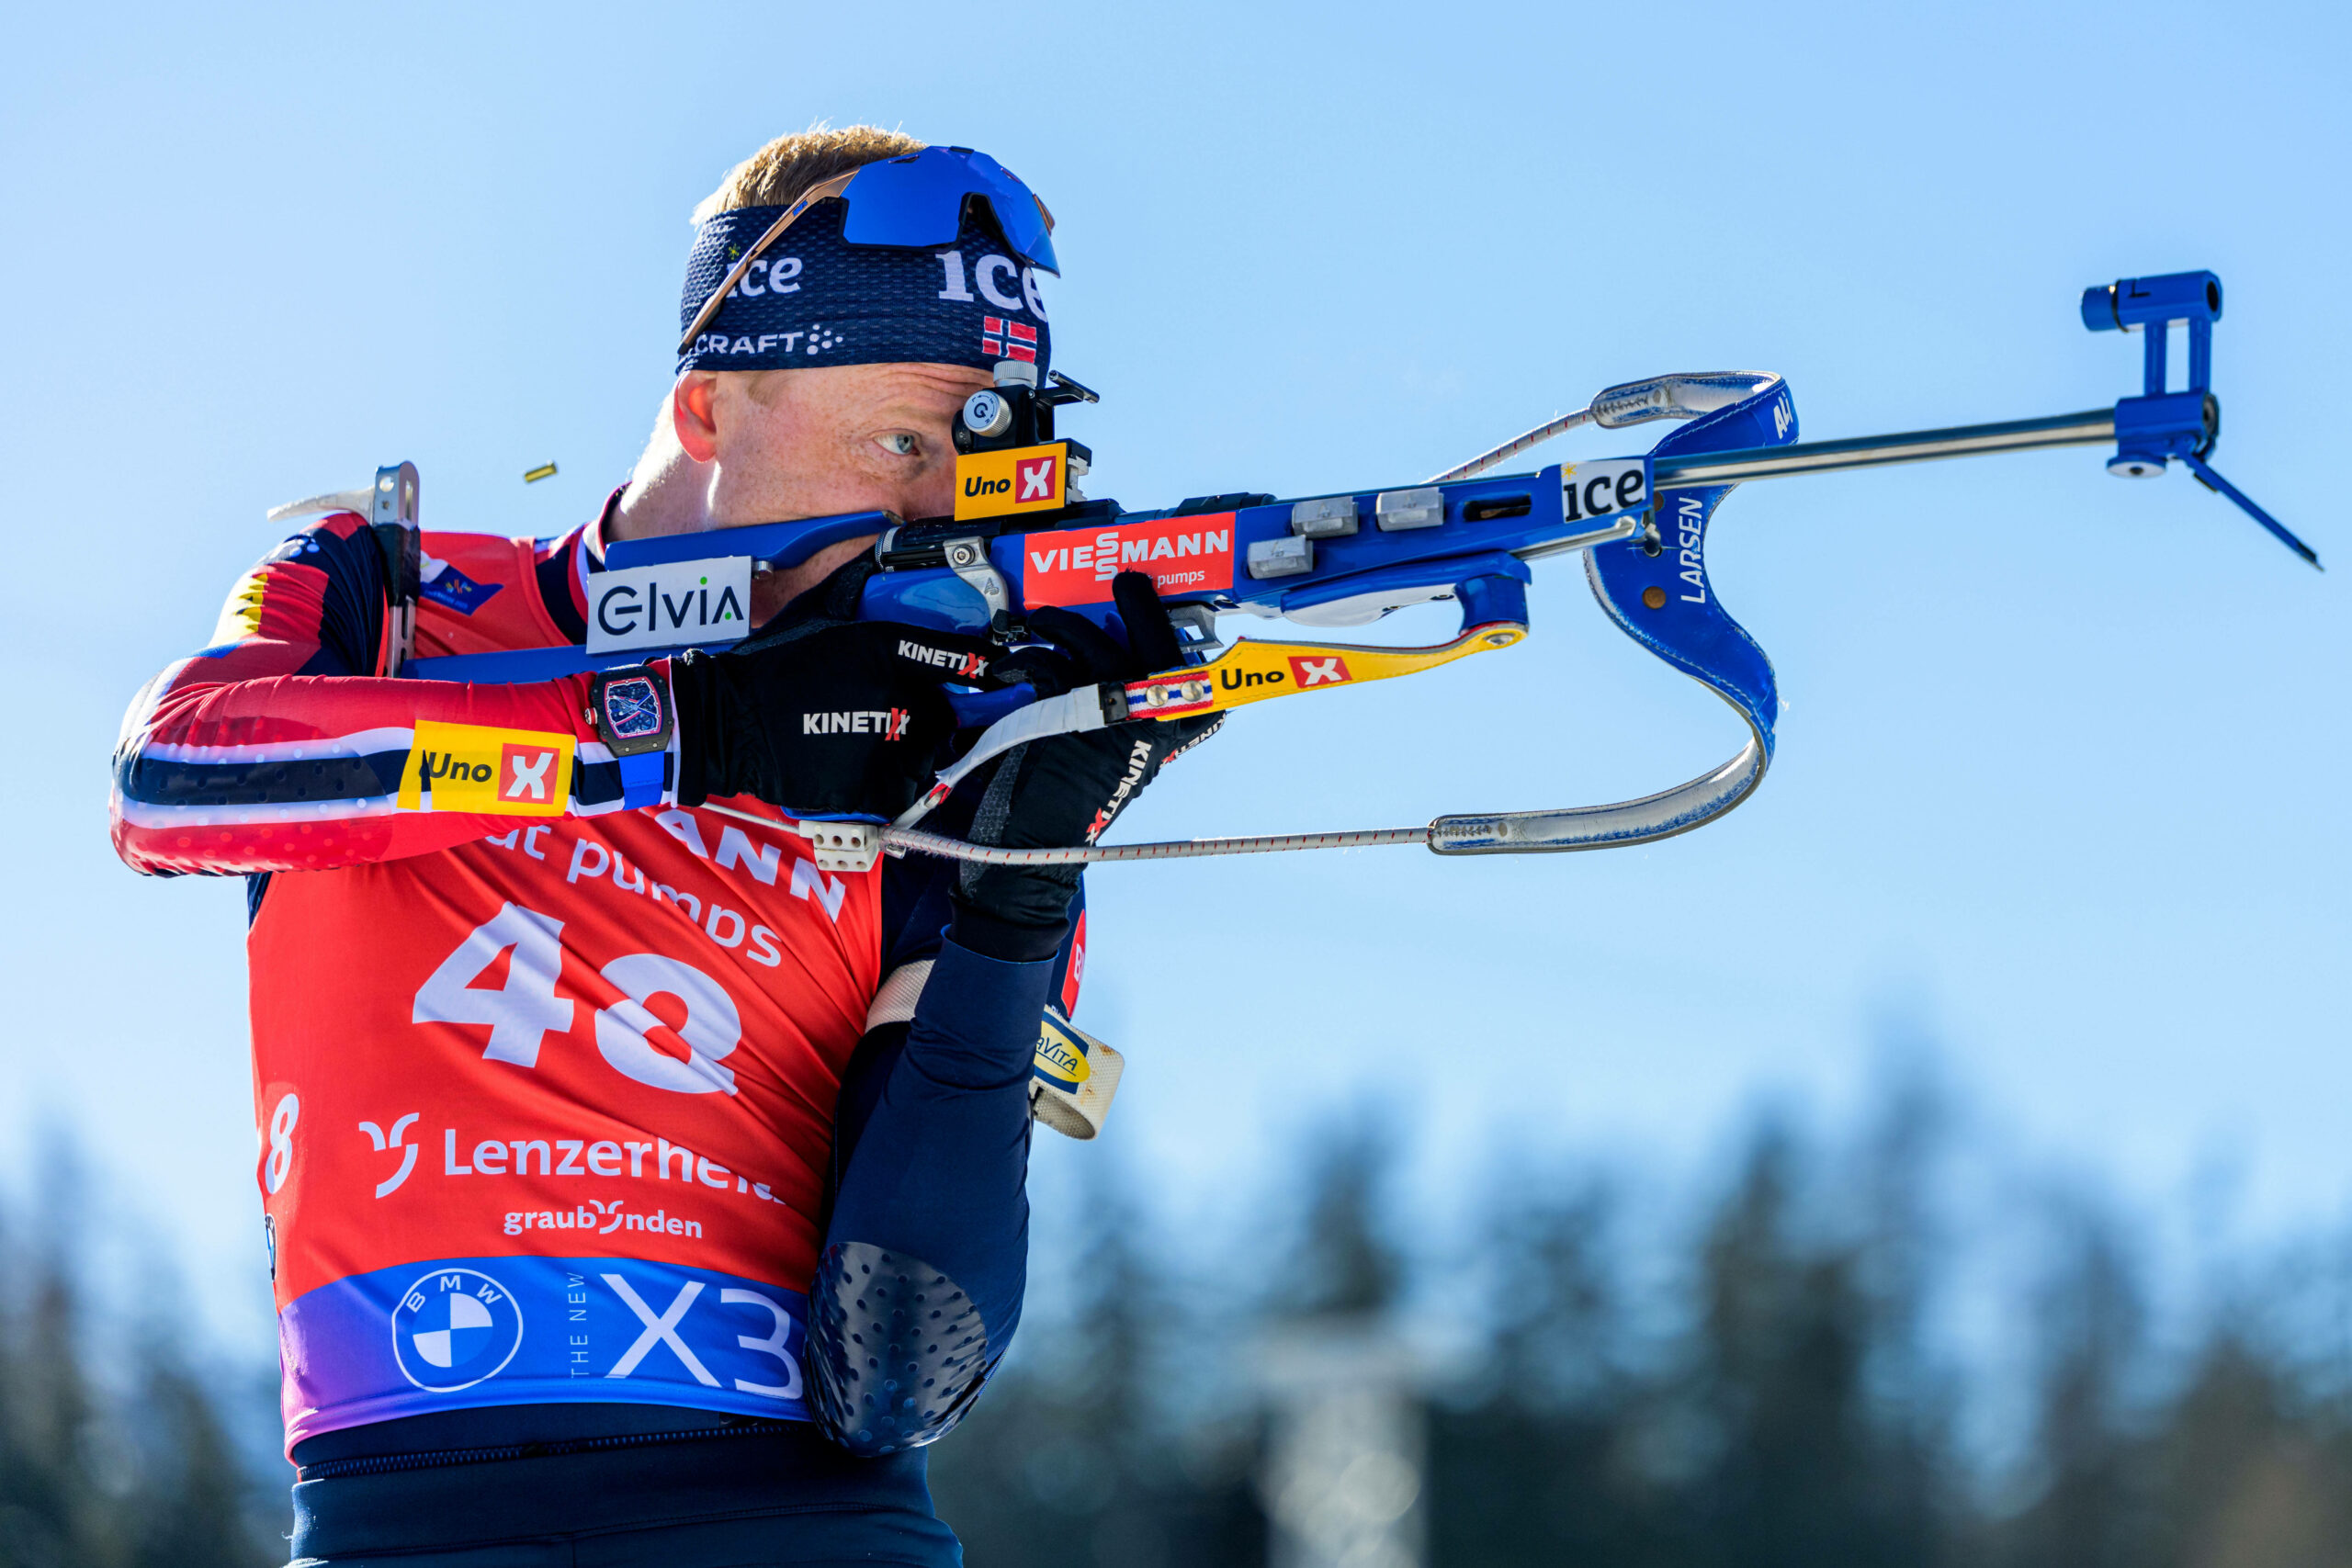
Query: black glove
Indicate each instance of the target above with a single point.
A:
(1067, 790)
(824, 719)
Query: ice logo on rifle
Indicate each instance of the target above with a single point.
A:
(454, 1327)
(633, 707)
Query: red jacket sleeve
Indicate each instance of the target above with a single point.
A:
(275, 750)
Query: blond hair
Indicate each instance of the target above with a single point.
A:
(778, 173)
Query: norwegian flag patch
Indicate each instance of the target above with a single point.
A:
(1007, 340)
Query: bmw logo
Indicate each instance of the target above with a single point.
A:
(454, 1327)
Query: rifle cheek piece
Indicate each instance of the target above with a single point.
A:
(897, 1353)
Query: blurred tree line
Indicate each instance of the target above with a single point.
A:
(1773, 1380)
(121, 1445)
(1775, 1384)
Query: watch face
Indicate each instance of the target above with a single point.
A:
(633, 708)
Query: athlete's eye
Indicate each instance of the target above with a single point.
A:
(900, 442)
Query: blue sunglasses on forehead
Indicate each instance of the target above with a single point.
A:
(912, 202)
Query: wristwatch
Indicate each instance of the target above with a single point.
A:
(636, 719)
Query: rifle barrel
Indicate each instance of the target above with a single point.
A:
(2093, 427)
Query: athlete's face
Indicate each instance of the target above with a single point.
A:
(787, 444)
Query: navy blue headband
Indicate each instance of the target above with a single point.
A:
(813, 299)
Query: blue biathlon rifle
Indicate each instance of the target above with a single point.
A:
(1024, 537)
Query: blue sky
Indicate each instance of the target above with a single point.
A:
(2062, 774)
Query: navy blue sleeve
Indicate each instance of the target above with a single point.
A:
(920, 1285)
(915, 914)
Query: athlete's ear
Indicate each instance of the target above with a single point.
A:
(692, 415)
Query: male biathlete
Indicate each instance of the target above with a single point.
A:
(637, 1190)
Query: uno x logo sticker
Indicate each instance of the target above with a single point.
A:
(1036, 480)
(1330, 671)
(522, 771)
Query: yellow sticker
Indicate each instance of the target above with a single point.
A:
(1025, 478)
(1251, 671)
(474, 767)
(240, 616)
(1061, 1056)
